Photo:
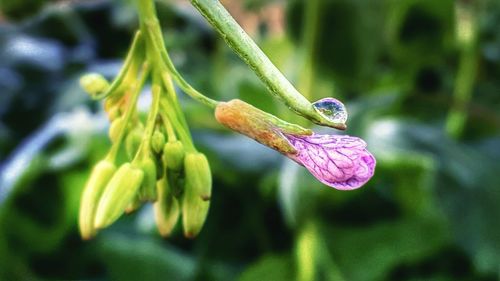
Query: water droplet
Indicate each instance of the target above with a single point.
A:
(332, 109)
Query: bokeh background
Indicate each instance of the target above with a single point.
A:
(421, 81)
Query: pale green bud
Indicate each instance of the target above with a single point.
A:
(99, 178)
(197, 192)
(133, 141)
(173, 155)
(114, 130)
(94, 84)
(119, 192)
(166, 208)
(157, 141)
(147, 192)
(198, 175)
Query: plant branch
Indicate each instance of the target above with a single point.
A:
(253, 56)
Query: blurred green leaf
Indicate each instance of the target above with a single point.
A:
(128, 258)
(269, 268)
(370, 253)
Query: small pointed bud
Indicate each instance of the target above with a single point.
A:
(157, 141)
(99, 178)
(197, 193)
(166, 208)
(147, 192)
(115, 128)
(94, 84)
(173, 155)
(118, 194)
(133, 141)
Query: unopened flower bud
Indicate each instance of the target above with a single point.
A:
(147, 192)
(94, 84)
(173, 155)
(119, 192)
(115, 129)
(133, 141)
(166, 208)
(342, 162)
(99, 178)
(197, 192)
(157, 141)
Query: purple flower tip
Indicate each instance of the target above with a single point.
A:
(341, 162)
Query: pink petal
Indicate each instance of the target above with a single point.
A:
(341, 162)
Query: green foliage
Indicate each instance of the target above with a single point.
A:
(430, 212)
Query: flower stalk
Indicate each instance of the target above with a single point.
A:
(251, 54)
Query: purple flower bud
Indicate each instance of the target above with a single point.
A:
(341, 162)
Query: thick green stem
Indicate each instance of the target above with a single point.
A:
(246, 48)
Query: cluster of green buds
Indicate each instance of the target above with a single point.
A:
(151, 159)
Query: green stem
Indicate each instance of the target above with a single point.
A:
(150, 24)
(181, 130)
(131, 56)
(245, 47)
(113, 152)
(464, 81)
(185, 86)
(170, 130)
(169, 87)
(144, 148)
(169, 104)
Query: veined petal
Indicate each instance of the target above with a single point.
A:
(342, 162)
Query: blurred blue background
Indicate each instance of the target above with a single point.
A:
(420, 79)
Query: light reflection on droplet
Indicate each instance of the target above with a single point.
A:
(332, 109)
